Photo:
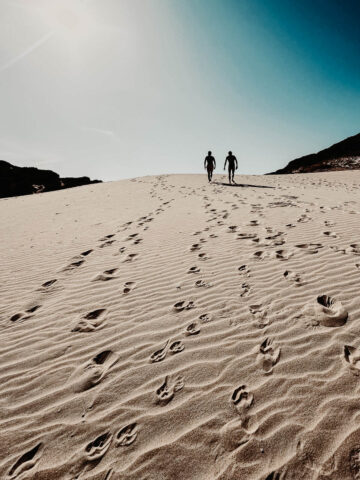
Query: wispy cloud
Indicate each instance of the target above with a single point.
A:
(27, 51)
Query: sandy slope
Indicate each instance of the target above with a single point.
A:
(144, 336)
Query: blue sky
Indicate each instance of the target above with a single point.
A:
(121, 88)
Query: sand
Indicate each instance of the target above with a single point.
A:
(164, 328)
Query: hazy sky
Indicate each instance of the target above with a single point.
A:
(120, 88)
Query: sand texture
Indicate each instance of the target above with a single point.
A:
(162, 328)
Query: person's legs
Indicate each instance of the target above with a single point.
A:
(231, 174)
(209, 171)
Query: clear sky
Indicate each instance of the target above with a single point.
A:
(121, 88)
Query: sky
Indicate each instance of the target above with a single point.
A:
(117, 89)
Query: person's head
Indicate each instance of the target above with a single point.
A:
(209, 153)
(230, 153)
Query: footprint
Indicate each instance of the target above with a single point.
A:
(202, 256)
(241, 398)
(17, 317)
(330, 312)
(182, 305)
(293, 277)
(176, 347)
(91, 321)
(245, 289)
(354, 249)
(205, 318)
(130, 257)
(73, 265)
(246, 236)
(201, 283)
(33, 309)
(268, 356)
(309, 247)
(25, 462)
(107, 237)
(194, 270)
(23, 315)
(86, 253)
(91, 373)
(131, 236)
(127, 435)
(107, 243)
(160, 354)
(303, 219)
(192, 329)
(106, 275)
(48, 284)
(195, 246)
(352, 356)
(260, 255)
(254, 223)
(128, 286)
(165, 393)
(111, 271)
(274, 235)
(283, 254)
(329, 223)
(330, 234)
(244, 270)
(96, 449)
(232, 228)
(254, 309)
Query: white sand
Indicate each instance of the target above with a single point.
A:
(248, 378)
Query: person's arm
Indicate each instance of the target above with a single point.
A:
(205, 162)
(236, 164)
(214, 163)
(225, 163)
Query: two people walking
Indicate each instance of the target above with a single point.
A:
(210, 165)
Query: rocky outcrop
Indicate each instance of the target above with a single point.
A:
(344, 155)
(16, 181)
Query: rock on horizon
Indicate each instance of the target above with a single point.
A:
(15, 181)
(344, 155)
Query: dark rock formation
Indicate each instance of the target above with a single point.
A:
(344, 155)
(25, 180)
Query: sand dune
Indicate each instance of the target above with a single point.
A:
(163, 328)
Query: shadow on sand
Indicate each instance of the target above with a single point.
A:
(241, 185)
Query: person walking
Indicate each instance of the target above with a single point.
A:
(209, 165)
(232, 166)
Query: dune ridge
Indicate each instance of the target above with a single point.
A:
(167, 328)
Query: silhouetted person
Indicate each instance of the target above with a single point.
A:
(210, 165)
(233, 165)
